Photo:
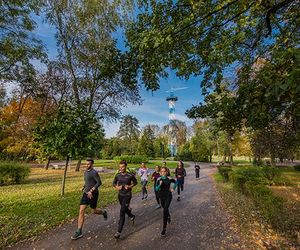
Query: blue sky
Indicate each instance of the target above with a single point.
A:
(154, 109)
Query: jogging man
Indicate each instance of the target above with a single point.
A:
(90, 195)
(124, 182)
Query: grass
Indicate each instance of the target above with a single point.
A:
(252, 220)
(31, 208)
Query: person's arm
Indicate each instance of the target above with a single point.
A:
(98, 181)
(158, 184)
(184, 172)
(176, 175)
(174, 184)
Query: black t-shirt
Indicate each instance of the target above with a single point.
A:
(122, 180)
(197, 167)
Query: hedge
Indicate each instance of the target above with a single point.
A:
(13, 172)
(136, 159)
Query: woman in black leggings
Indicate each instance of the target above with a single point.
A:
(165, 190)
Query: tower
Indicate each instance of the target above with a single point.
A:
(172, 130)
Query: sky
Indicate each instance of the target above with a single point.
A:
(154, 109)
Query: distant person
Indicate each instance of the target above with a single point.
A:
(90, 196)
(180, 173)
(144, 172)
(154, 177)
(164, 189)
(124, 182)
(165, 165)
(197, 170)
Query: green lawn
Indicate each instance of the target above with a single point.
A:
(30, 208)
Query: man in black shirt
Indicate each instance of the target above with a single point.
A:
(92, 182)
(124, 182)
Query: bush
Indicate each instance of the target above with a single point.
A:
(270, 173)
(12, 172)
(270, 205)
(297, 167)
(224, 172)
(251, 175)
(137, 159)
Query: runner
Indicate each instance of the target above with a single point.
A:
(144, 172)
(154, 177)
(165, 190)
(90, 196)
(180, 173)
(197, 170)
(124, 182)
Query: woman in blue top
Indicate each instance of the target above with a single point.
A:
(163, 186)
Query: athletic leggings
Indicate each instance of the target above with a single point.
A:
(124, 202)
(179, 186)
(144, 189)
(165, 203)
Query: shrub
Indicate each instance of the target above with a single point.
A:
(270, 173)
(12, 172)
(270, 205)
(297, 167)
(251, 175)
(224, 172)
(137, 159)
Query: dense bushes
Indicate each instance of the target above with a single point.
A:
(297, 167)
(12, 172)
(137, 159)
(224, 172)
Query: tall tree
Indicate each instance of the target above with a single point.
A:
(99, 77)
(129, 133)
(146, 143)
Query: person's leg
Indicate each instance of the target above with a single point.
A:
(166, 215)
(81, 216)
(127, 200)
(122, 200)
(93, 205)
(145, 189)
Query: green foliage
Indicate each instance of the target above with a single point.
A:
(297, 167)
(137, 159)
(13, 172)
(242, 176)
(146, 143)
(184, 153)
(74, 132)
(270, 205)
(270, 173)
(224, 172)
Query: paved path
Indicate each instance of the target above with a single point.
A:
(198, 222)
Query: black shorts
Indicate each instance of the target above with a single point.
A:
(92, 202)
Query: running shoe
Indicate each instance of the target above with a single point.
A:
(158, 206)
(163, 233)
(77, 235)
(117, 235)
(178, 198)
(146, 196)
(104, 214)
(132, 219)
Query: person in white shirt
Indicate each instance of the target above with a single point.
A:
(144, 172)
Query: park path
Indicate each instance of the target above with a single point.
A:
(199, 221)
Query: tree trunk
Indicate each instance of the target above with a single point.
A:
(47, 163)
(78, 165)
(64, 177)
(273, 163)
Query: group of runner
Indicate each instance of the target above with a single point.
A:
(123, 182)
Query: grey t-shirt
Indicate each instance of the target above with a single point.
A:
(91, 179)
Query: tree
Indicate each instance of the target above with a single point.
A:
(129, 133)
(146, 143)
(18, 46)
(72, 133)
(195, 37)
(96, 70)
